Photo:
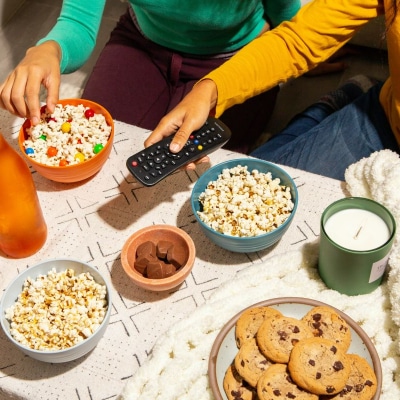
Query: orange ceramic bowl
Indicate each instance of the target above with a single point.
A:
(155, 233)
(75, 172)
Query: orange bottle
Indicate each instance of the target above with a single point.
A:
(23, 230)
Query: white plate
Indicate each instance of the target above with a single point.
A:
(224, 349)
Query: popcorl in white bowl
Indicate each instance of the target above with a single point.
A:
(56, 311)
(244, 205)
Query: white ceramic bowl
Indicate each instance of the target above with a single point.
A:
(236, 243)
(14, 289)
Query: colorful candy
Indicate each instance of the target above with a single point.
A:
(89, 113)
(51, 151)
(97, 148)
(80, 157)
(66, 127)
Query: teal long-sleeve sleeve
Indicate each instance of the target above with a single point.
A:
(76, 32)
(281, 10)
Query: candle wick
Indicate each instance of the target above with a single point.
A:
(358, 232)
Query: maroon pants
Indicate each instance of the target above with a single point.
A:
(139, 81)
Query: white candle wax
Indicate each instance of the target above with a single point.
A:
(357, 229)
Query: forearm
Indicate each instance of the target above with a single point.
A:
(76, 32)
(288, 51)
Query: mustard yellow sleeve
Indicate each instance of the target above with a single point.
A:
(390, 93)
(318, 30)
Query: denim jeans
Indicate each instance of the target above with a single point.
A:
(324, 141)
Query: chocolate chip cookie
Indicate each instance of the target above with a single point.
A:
(319, 366)
(362, 383)
(277, 336)
(250, 363)
(250, 320)
(235, 387)
(327, 323)
(276, 384)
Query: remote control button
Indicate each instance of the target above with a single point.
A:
(159, 158)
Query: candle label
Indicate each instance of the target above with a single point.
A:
(378, 269)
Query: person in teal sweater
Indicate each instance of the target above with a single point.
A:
(154, 56)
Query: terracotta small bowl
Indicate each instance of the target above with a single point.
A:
(155, 233)
(76, 172)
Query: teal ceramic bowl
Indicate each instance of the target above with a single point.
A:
(235, 243)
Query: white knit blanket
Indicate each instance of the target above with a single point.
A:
(177, 366)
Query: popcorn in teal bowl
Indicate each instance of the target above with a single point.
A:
(244, 205)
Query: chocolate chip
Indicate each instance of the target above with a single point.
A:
(359, 388)
(296, 329)
(330, 389)
(318, 375)
(237, 394)
(338, 366)
(333, 349)
(368, 383)
(282, 335)
(317, 317)
(290, 395)
(316, 325)
(277, 392)
(311, 362)
(348, 388)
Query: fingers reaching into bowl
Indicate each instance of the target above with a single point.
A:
(19, 93)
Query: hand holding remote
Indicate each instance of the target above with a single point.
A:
(156, 162)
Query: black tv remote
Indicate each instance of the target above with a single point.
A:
(156, 162)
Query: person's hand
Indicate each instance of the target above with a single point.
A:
(189, 115)
(327, 67)
(19, 93)
(332, 65)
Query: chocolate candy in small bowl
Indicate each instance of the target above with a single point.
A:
(56, 311)
(158, 257)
